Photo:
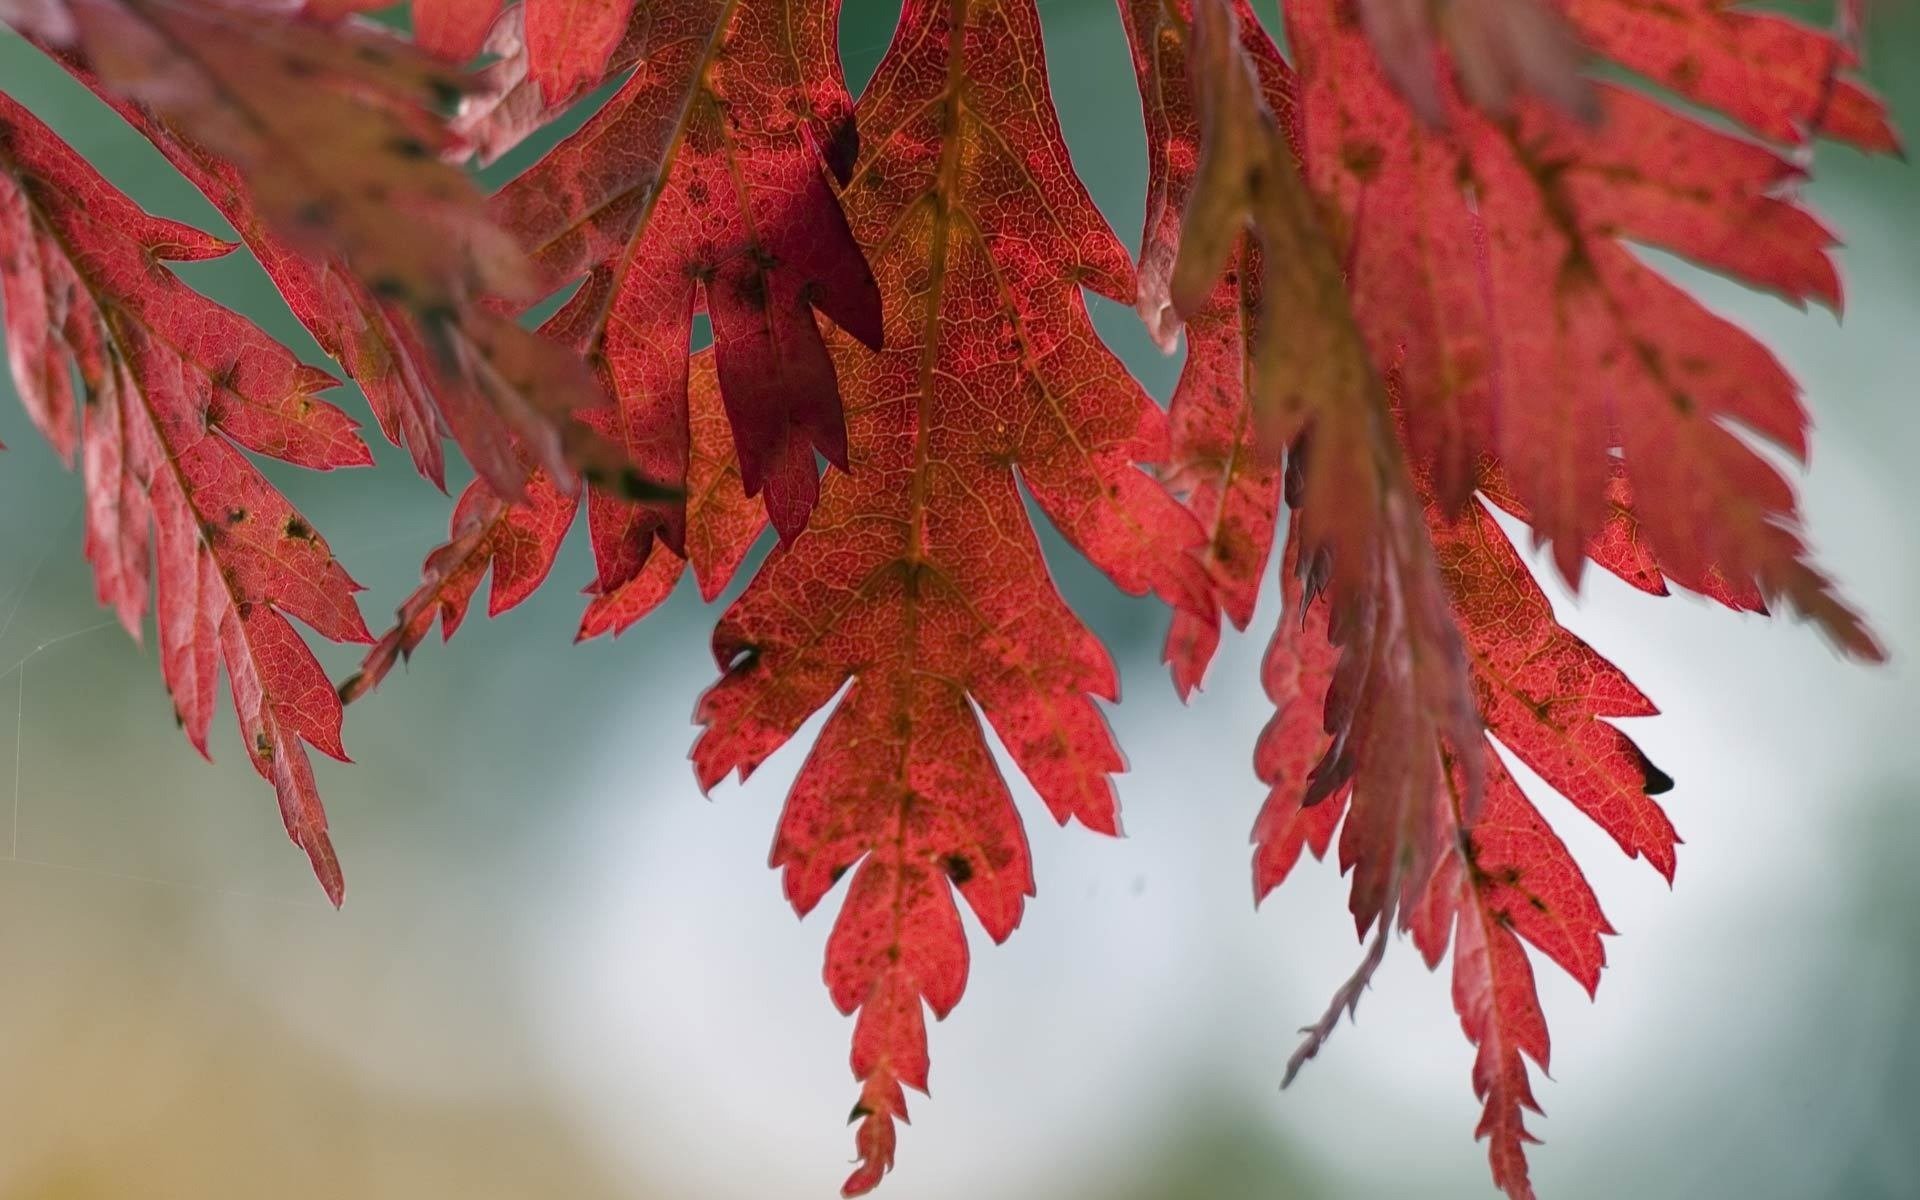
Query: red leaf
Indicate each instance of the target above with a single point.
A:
(718, 187)
(1488, 270)
(518, 541)
(1297, 672)
(333, 195)
(1767, 72)
(507, 102)
(722, 522)
(1514, 880)
(566, 44)
(453, 29)
(1400, 690)
(919, 588)
(1229, 480)
(1543, 691)
(569, 42)
(352, 168)
(173, 382)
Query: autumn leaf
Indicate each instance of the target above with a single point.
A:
(919, 585)
(1513, 881)
(1488, 272)
(517, 541)
(1400, 691)
(1230, 480)
(1412, 831)
(707, 177)
(1504, 875)
(329, 173)
(332, 195)
(508, 102)
(567, 43)
(452, 29)
(1543, 692)
(174, 385)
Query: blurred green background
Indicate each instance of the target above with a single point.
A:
(561, 972)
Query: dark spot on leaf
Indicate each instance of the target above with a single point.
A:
(958, 869)
(1539, 905)
(1362, 158)
(409, 147)
(843, 149)
(860, 1113)
(1654, 781)
(297, 528)
(236, 515)
(752, 290)
(839, 872)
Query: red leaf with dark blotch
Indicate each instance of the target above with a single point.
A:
(172, 383)
(919, 587)
(706, 176)
(570, 41)
(1488, 270)
(1542, 691)
(1229, 480)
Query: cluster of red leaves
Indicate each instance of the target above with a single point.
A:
(172, 382)
(1399, 265)
(1525, 355)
